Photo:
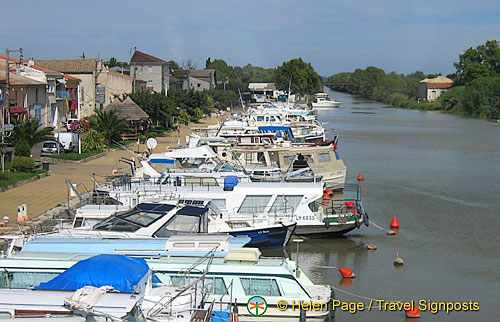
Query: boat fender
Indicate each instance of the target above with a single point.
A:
(366, 220)
(302, 315)
(358, 224)
(327, 223)
(331, 309)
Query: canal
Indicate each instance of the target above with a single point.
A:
(439, 174)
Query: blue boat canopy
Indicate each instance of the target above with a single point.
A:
(123, 273)
(230, 181)
(278, 130)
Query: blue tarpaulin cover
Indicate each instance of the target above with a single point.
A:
(230, 181)
(120, 272)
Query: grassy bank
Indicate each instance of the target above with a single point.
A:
(7, 178)
(74, 156)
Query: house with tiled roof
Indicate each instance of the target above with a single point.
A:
(153, 70)
(27, 95)
(196, 79)
(91, 72)
(429, 89)
(99, 85)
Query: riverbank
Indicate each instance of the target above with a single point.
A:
(46, 193)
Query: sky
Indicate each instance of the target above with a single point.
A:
(334, 36)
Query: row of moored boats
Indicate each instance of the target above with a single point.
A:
(179, 238)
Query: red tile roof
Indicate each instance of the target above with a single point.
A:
(74, 66)
(140, 57)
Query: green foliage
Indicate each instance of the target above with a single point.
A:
(224, 98)
(93, 141)
(23, 164)
(482, 61)
(112, 62)
(109, 124)
(3, 177)
(304, 79)
(173, 64)
(22, 149)
(74, 156)
(30, 131)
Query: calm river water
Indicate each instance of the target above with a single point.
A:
(440, 175)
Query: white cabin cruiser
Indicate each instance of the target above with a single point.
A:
(323, 100)
(234, 279)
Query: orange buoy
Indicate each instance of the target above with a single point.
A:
(394, 223)
(413, 313)
(346, 272)
(360, 177)
(326, 195)
(371, 246)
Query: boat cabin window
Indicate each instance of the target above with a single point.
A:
(266, 140)
(78, 222)
(313, 206)
(323, 157)
(214, 285)
(254, 204)
(219, 203)
(248, 157)
(260, 118)
(291, 288)
(286, 204)
(183, 224)
(260, 286)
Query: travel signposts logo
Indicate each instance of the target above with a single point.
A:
(257, 306)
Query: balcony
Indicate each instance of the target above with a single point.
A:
(62, 94)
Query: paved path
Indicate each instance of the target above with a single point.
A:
(48, 192)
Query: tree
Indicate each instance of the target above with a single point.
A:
(189, 64)
(304, 79)
(173, 64)
(222, 68)
(109, 124)
(30, 132)
(483, 61)
(112, 62)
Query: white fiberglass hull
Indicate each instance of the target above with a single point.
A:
(325, 105)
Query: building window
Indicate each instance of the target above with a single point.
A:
(199, 85)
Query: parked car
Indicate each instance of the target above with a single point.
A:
(68, 139)
(52, 148)
(68, 124)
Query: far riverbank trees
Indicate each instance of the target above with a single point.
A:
(476, 90)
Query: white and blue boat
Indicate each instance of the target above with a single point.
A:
(236, 278)
(104, 287)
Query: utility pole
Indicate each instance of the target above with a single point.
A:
(6, 93)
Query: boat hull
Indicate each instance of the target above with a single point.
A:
(320, 231)
(277, 236)
(328, 105)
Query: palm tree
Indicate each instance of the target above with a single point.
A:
(108, 123)
(30, 131)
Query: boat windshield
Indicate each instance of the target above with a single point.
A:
(128, 222)
(141, 216)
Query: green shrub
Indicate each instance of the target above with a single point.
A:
(23, 164)
(22, 149)
(142, 138)
(93, 141)
(3, 176)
